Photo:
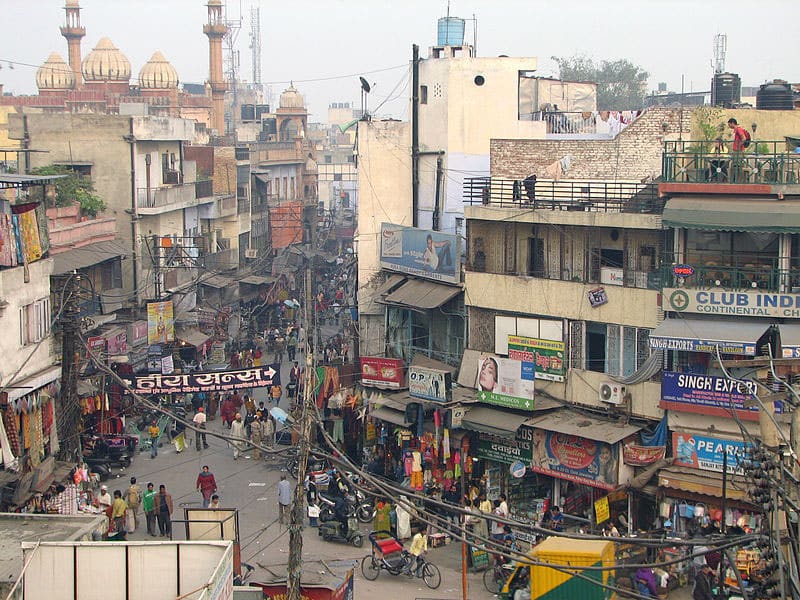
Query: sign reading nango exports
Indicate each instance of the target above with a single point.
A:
(746, 304)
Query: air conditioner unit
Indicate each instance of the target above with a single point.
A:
(251, 253)
(611, 392)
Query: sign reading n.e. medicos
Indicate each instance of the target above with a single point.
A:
(746, 304)
(543, 358)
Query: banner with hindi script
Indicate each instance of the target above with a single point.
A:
(215, 381)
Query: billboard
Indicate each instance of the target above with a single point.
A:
(575, 458)
(504, 382)
(709, 395)
(160, 322)
(545, 358)
(383, 373)
(707, 453)
(215, 381)
(429, 254)
(430, 384)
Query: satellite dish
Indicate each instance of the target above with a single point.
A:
(365, 85)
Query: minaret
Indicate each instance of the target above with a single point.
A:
(216, 29)
(73, 31)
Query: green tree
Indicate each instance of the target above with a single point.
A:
(621, 85)
(73, 188)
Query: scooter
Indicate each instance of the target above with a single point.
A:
(331, 531)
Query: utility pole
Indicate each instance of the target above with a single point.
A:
(70, 411)
(294, 570)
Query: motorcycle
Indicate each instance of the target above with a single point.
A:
(331, 531)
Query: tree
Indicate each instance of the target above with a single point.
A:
(621, 85)
(73, 188)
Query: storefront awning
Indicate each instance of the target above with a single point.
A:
(590, 428)
(21, 387)
(492, 420)
(790, 340)
(733, 214)
(193, 337)
(258, 280)
(387, 414)
(704, 335)
(707, 483)
(86, 256)
(421, 294)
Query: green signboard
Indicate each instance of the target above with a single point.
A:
(504, 450)
(544, 357)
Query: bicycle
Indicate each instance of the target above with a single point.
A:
(495, 578)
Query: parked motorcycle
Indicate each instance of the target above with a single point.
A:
(331, 531)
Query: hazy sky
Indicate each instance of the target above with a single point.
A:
(333, 41)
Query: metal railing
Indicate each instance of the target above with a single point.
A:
(595, 196)
(700, 161)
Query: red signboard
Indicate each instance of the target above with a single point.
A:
(382, 372)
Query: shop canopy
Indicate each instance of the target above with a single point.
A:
(707, 483)
(733, 214)
(495, 421)
(704, 335)
(569, 422)
(421, 294)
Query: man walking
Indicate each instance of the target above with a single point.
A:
(199, 421)
(284, 499)
(237, 431)
(148, 505)
(163, 506)
(133, 497)
(257, 435)
(206, 485)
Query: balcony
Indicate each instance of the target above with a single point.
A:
(167, 198)
(701, 162)
(584, 196)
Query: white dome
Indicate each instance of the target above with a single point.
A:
(55, 74)
(106, 63)
(158, 73)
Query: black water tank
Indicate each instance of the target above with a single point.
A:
(775, 96)
(248, 112)
(726, 89)
(270, 126)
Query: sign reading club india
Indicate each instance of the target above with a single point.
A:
(747, 304)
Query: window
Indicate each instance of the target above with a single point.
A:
(34, 321)
(423, 94)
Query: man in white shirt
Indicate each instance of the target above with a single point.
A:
(199, 421)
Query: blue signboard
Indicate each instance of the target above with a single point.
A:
(707, 453)
(429, 254)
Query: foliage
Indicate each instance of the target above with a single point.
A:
(73, 188)
(621, 85)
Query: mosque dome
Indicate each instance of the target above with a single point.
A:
(291, 98)
(55, 74)
(158, 74)
(106, 63)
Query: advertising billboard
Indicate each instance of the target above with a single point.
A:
(709, 395)
(707, 453)
(160, 322)
(429, 254)
(430, 384)
(575, 458)
(383, 373)
(544, 357)
(504, 382)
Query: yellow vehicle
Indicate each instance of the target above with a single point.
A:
(547, 583)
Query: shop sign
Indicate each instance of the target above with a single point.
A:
(517, 469)
(707, 453)
(742, 303)
(137, 333)
(602, 511)
(503, 450)
(430, 384)
(504, 382)
(640, 456)
(700, 345)
(160, 322)
(456, 416)
(575, 458)
(545, 358)
(597, 297)
(421, 252)
(710, 395)
(216, 381)
(382, 372)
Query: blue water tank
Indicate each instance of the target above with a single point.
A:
(451, 31)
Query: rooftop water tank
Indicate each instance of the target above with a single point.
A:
(775, 96)
(726, 89)
(451, 31)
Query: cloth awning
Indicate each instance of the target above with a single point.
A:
(492, 420)
(391, 416)
(193, 337)
(217, 281)
(704, 335)
(733, 214)
(591, 428)
(790, 340)
(86, 256)
(258, 280)
(421, 294)
(707, 483)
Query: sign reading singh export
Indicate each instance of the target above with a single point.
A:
(746, 304)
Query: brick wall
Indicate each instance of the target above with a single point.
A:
(634, 154)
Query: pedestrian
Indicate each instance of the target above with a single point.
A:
(148, 505)
(118, 509)
(163, 507)
(284, 499)
(238, 436)
(199, 421)
(155, 431)
(214, 502)
(257, 435)
(206, 485)
(133, 497)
